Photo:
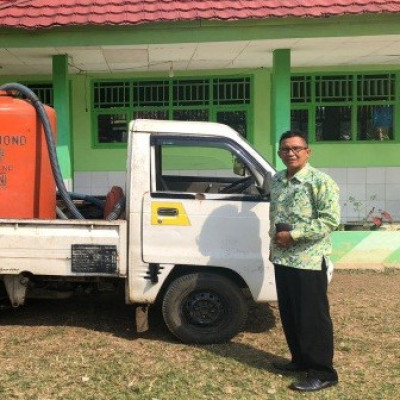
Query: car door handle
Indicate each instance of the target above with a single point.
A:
(167, 212)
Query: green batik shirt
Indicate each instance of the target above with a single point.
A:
(310, 203)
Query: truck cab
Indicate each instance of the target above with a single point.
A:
(203, 220)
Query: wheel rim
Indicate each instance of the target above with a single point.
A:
(204, 308)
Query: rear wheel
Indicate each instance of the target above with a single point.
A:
(204, 308)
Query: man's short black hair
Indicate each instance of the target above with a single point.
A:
(293, 133)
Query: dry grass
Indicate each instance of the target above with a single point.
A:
(88, 349)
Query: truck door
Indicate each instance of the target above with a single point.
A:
(200, 212)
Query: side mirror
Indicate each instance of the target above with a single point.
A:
(238, 167)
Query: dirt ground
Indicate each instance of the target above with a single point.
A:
(87, 348)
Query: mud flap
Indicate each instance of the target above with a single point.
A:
(142, 318)
(16, 286)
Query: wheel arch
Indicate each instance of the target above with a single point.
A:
(180, 270)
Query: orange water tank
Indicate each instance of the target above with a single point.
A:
(27, 186)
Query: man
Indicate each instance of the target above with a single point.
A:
(304, 211)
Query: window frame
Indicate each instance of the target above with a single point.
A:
(209, 104)
(311, 103)
(212, 142)
(95, 138)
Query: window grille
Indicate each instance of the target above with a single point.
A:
(44, 91)
(231, 91)
(301, 89)
(111, 94)
(375, 87)
(333, 88)
(151, 94)
(190, 92)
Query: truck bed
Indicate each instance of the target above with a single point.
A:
(63, 247)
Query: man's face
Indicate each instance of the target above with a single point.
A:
(294, 153)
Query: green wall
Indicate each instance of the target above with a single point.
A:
(377, 154)
(86, 158)
(89, 159)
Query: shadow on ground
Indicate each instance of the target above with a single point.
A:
(107, 312)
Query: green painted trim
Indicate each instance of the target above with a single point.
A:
(262, 113)
(62, 107)
(366, 249)
(334, 155)
(393, 258)
(280, 99)
(199, 31)
(345, 242)
(71, 136)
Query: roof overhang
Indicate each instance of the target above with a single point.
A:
(183, 47)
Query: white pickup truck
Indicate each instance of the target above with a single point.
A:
(194, 235)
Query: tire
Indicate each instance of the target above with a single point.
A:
(204, 308)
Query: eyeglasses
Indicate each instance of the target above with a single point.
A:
(295, 149)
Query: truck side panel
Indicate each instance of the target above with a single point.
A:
(214, 233)
(63, 248)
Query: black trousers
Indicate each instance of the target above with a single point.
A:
(306, 320)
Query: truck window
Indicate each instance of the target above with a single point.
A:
(203, 167)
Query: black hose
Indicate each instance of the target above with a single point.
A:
(86, 197)
(51, 147)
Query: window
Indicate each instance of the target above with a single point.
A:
(333, 123)
(44, 91)
(189, 165)
(112, 128)
(349, 107)
(375, 122)
(235, 119)
(191, 115)
(299, 120)
(115, 103)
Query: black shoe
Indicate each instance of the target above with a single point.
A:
(288, 367)
(312, 384)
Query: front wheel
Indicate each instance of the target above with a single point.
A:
(204, 308)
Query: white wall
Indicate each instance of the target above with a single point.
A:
(98, 183)
(373, 187)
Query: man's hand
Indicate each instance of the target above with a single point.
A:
(283, 239)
